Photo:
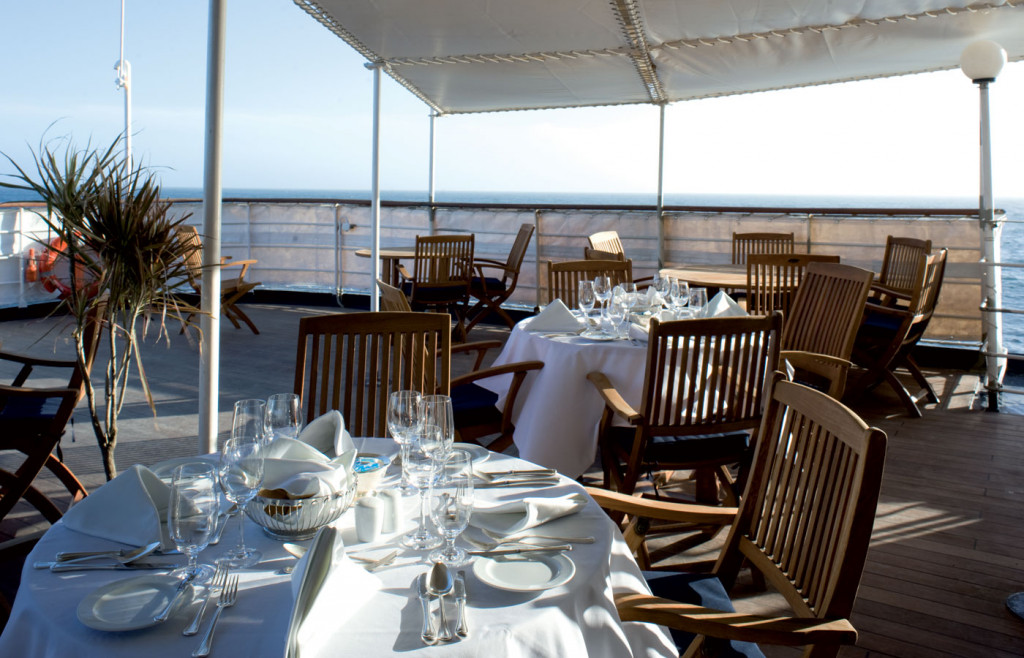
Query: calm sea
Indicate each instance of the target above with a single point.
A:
(1013, 233)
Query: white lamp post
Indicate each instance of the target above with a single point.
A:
(982, 61)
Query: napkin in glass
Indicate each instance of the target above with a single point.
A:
(518, 515)
(131, 509)
(328, 589)
(556, 316)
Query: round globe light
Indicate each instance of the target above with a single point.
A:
(982, 60)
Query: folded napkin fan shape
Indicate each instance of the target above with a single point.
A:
(556, 316)
(720, 306)
(518, 515)
(320, 462)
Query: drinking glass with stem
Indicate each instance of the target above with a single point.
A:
(603, 292)
(283, 416)
(585, 299)
(422, 464)
(250, 419)
(663, 287)
(404, 417)
(437, 410)
(679, 295)
(618, 316)
(451, 504)
(241, 476)
(192, 516)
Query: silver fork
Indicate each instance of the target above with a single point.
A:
(522, 539)
(226, 600)
(216, 585)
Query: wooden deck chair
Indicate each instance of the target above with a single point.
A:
(744, 244)
(476, 412)
(491, 292)
(606, 245)
(772, 280)
(804, 522)
(890, 331)
(821, 326)
(231, 289)
(899, 275)
(442, 270)
(564, 278)
(703, 395)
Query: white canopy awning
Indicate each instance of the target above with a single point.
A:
(462, 56)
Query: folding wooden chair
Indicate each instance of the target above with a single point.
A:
(231, 289)
(772, 279)
(899, 275)
(564, 278)
(606, 245)
(804, 522)
(491, 292)
(442, 270)
(744, 244)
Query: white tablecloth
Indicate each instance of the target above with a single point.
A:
(558, 410)
(576, 619)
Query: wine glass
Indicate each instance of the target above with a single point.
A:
(283, 416)
(250, 419)
(437, 410)
(585, 298)
(451, 504)
(403, 420)
(698, 300)
(679, 295)
(618, 314)
(192, 516)
(422, 464)
(662, 286)
(241, 476)
(603, 292)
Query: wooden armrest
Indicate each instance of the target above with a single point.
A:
(665, 510)
(34, 361)
(882, 290)
(404, 272)
(783, 630)
(244, 264)
(507, 369)
(812, 360)
(480, 347)
(487, 262)
(612, 399)
(886, 310)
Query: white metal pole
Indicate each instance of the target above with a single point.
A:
(209, 376)
(661, 186)
(124, 81)
(992, 276)
(375, 191)
(430, 171)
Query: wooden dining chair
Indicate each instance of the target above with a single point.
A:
(352, 362)
(821, 326)
(704, 387)
(442, 271)
(772, 279)
(232, 289)
(606, 245)
(899, 275)
(564, 277)
(804, 522)
(889, 332)
(491, 292)
(744, 244)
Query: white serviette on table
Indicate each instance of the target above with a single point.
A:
(131, 509)
(518, 515)
(303, 468)
(328, 588)
(327, 434)
(556, 316)
(722, 306)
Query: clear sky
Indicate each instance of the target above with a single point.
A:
(298, 115)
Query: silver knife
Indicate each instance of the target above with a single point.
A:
(531, 473)
(182, 586)
(462, 630)
(523, 549)
(545, 482)
(65, 556)
(77, 566)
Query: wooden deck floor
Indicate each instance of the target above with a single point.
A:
(948, 543)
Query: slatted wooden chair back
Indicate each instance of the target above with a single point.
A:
(772, 279)
(193, 254)
(607, 241)
(589, 253)
(392, 299)
(353, 361)
(442, 268)
(517, 254)
(564, 278)
(232, 289)
(806, 515)
(744, 244)
(827, 309)
(926, 296)
(708, 376)
(900, 262)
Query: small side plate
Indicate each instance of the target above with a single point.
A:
(479, 453)
(525, 573)
(130, 604)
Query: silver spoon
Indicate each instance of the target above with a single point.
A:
(439, 584)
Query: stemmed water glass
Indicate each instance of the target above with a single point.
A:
(422, 463)
(679, 295)
(250, 419)
(663, 286)
(192, 516)
(241, 476)
(585, 298)
(618, 316)
(437, 410)
(698, 300)
(603, 292)
(404, 418)
(283, 416)
(451, 504)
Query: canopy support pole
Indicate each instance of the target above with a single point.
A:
(209, 375)
(375, 191)
(430, 173)
(661, 186)
(992, 276)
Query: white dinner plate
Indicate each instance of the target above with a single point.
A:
(130, 604)
(525, 573)
(165, 469)
(598, 336)
(479, 453)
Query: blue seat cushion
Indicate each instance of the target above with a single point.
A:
(474, 405)
(493, 285)
(434, 294)
(880, 321)
(704, 590)
(699, 448)
(30, 408)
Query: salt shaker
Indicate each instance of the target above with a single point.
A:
(392, 504)
(369, 518)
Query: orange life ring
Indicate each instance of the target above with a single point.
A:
(46, 264)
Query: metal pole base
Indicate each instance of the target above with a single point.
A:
(993, 403)
(1015, 602)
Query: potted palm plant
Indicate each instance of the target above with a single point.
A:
(122, 260)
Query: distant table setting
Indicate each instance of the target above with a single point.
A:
(527, 565)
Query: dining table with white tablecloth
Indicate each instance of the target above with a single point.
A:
(576, 618)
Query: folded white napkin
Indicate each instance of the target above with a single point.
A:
(653, 297)
(304, 471)
(638, 332)
(518, 515)
(722, 306)
(327, 434)
(131, 509)
(328, 588)
(555, 317)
